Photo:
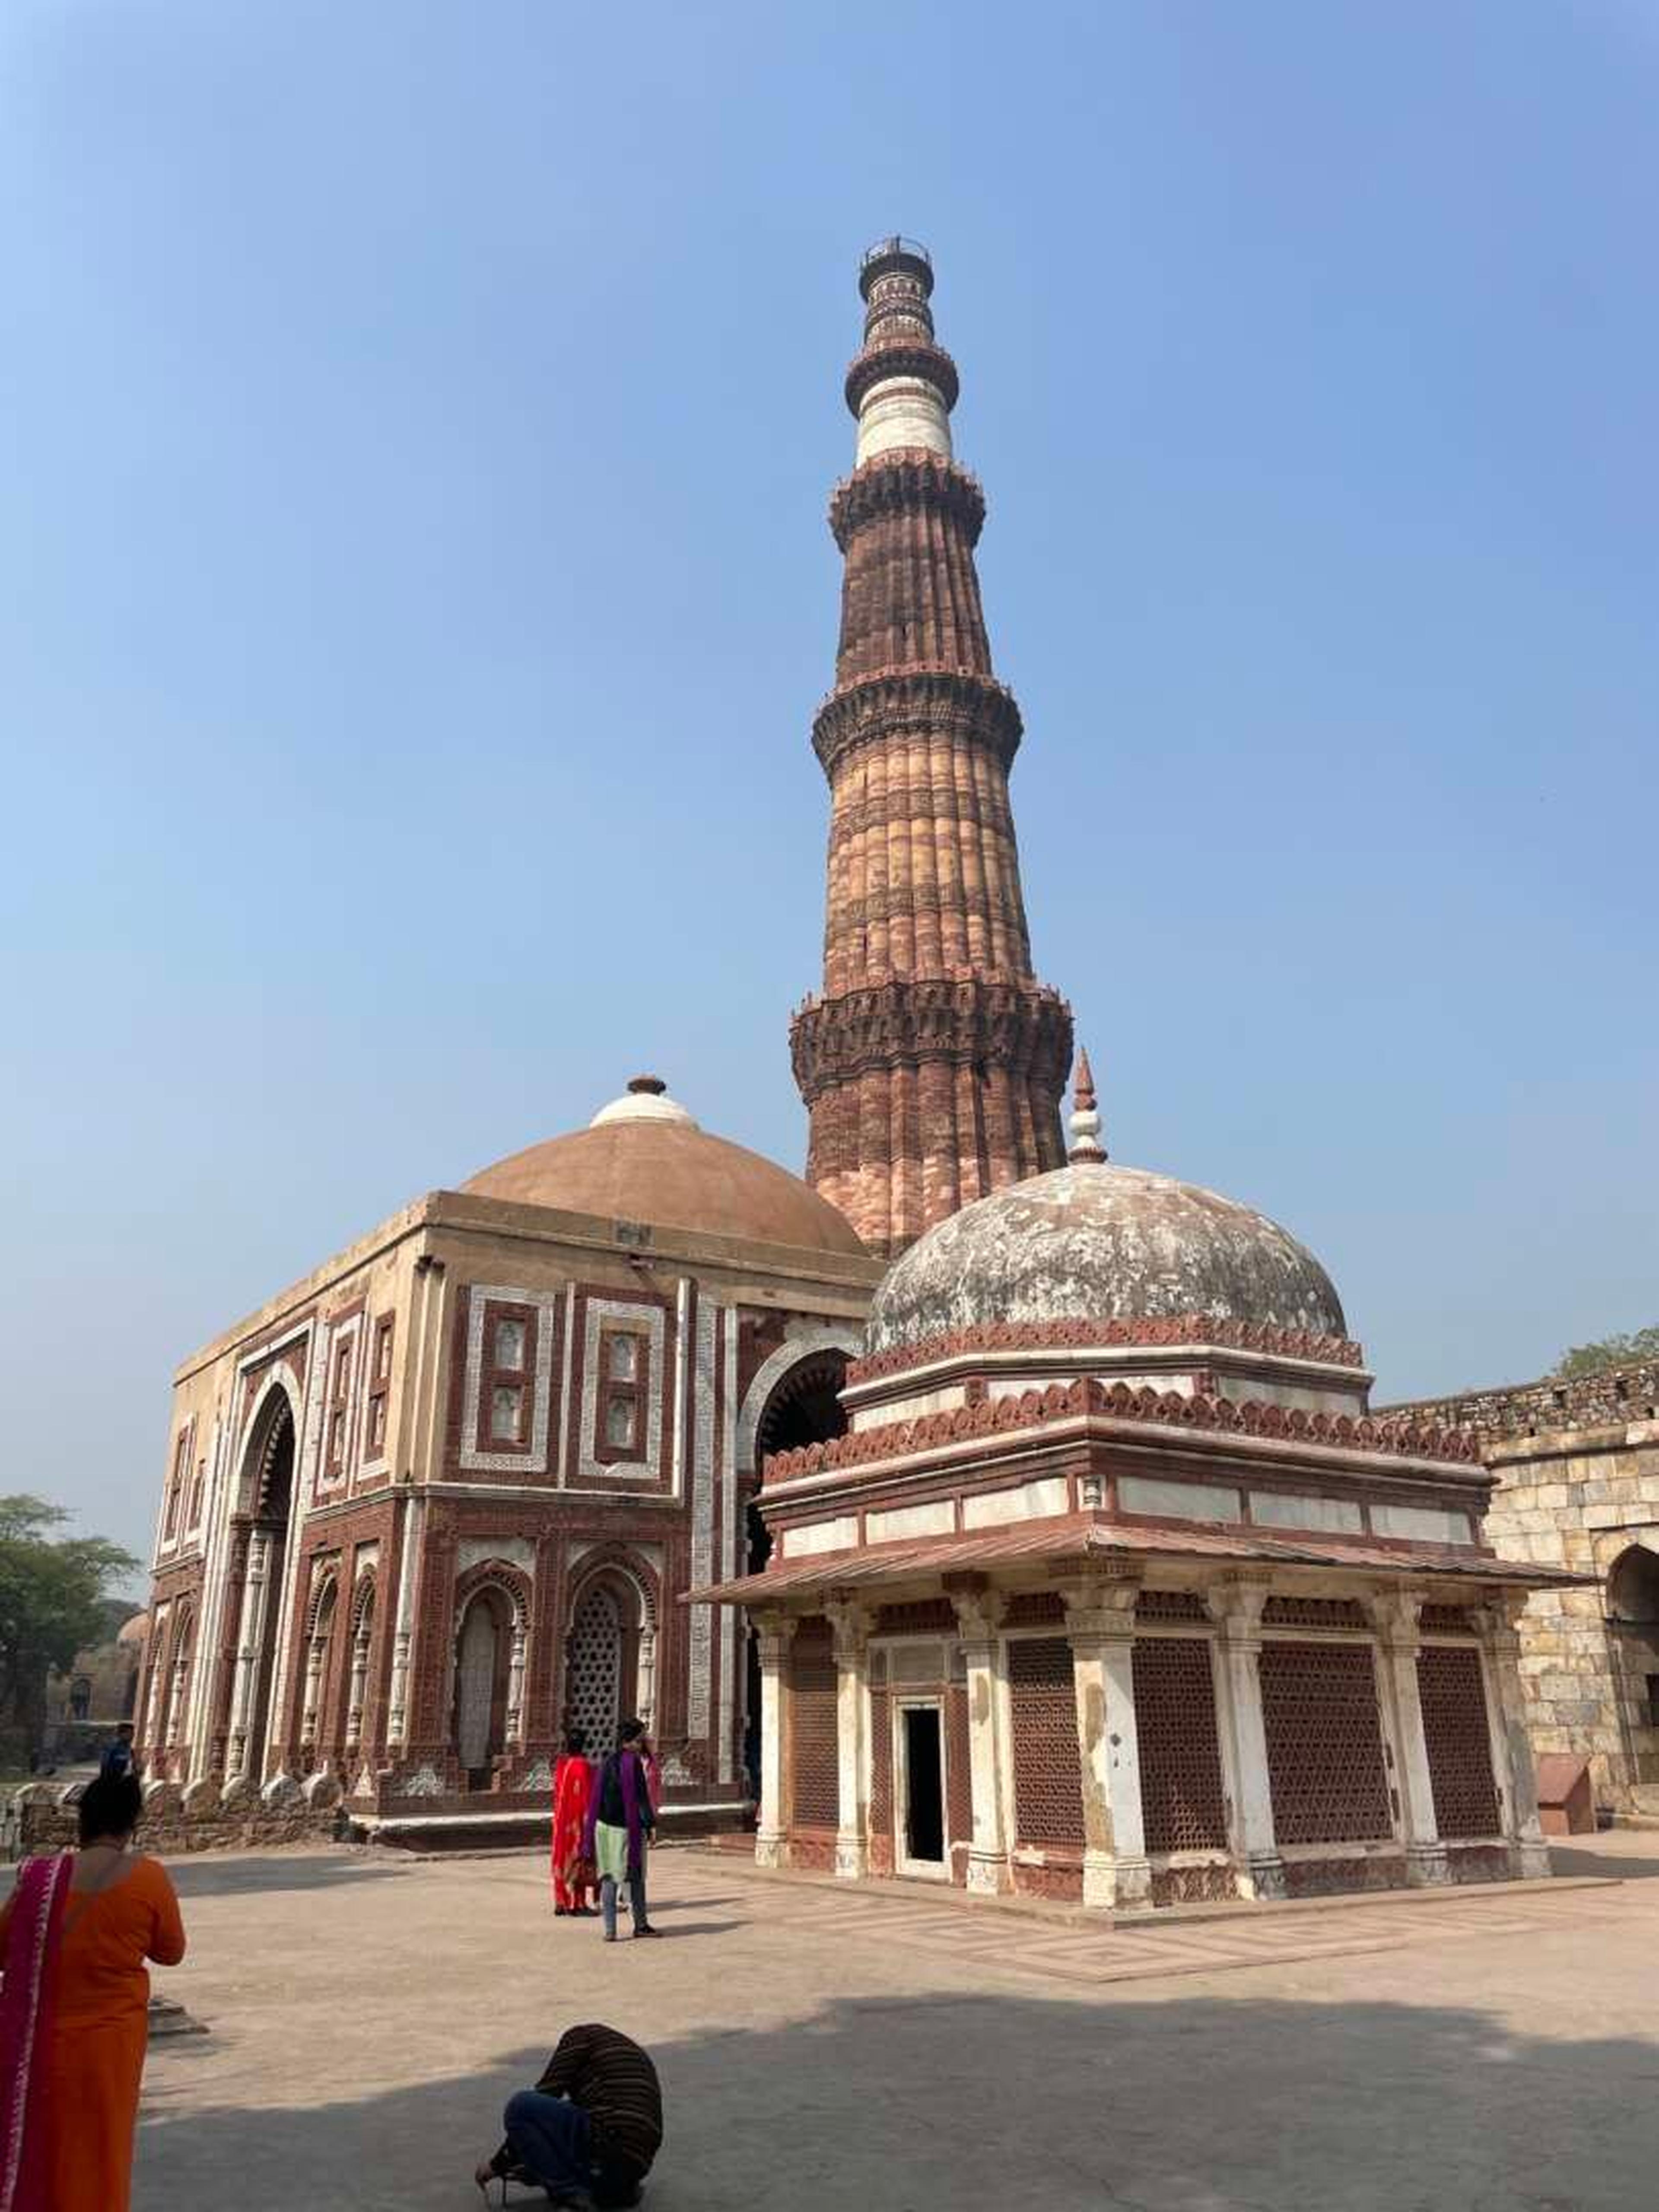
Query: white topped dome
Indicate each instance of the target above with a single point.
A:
(646, 1099)
(1095, 1242)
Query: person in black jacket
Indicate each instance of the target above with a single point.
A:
(589, 2131)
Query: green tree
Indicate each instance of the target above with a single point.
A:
(1630, 1350)
(53, 1591)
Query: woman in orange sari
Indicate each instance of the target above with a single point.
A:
(74, 1936)
(573, 1789)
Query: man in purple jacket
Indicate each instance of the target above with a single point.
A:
(620, 1821)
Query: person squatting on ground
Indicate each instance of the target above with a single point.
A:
(589, 2131)
(573, 1793)
(74, 1936)
(621, 1819)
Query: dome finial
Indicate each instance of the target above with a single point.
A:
(1086, 1149)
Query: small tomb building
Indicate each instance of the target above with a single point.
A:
(1112, 1590)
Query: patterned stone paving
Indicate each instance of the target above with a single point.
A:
(1047, 1947)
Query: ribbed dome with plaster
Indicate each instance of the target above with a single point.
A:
(1094, 1242)
(644, 1158)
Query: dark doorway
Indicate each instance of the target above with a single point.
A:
(924, 1789)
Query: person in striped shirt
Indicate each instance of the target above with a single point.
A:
(588, 2131)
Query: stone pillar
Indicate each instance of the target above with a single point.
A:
(1100, 1621)
(359, 1690)
(403, 1626)
(1236, 1605)
(773, 1632)
(1397, 1614)
(514, 1716)
(979, 1623)
(316, 1652)
(1500, 1620)
(851, 1623)
(256, 1596)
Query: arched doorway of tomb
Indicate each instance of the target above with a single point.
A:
(266, 1496)
(175, 1689)
(482, 1646)
(322, 1616)
(801, 1405)
(605, 1680)
(1633, 1632)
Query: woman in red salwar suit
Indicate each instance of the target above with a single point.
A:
(573, 1790)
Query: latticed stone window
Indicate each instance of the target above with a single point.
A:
(1048, 1773)
(814, 1781)
(623, 1363)
(594, 1665)
(1324, 1743)
(1452, 1694)
(1182, 1801)
(380, 1388)
(506, 1399)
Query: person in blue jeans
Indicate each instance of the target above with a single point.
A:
(589, 2131)
(620, 1822)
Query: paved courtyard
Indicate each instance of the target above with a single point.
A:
(896, 2049)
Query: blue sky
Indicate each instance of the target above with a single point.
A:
(418, 424)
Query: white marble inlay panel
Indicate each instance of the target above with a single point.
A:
(702, 1518)
(473, 1551)
(649, 1319)
(1177, 1501)
(937, 1519)
(534, 1460)
(837, 1536)
(1030, 1501)
(1273, 1509)
(1422, 1524)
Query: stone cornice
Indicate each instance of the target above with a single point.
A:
(1024, 1027)
(955, 701)
(1066, 1400)
(907, 480)
(1154, 1329)
(874, 364)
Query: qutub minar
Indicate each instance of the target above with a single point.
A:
(989, 1512)
(934, 1062)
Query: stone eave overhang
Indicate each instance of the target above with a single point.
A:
(1066, 1360)
(1255, 1457)
(1039, 1554)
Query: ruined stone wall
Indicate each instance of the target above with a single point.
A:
(1577, 1466)
(41, 1817)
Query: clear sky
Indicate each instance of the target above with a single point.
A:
(416, 429)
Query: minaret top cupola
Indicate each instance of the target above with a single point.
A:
(901, 385)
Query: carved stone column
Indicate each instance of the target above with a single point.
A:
(359, 1689)
(774, 1634)
(1236, 1604)
(1396, 1613)
(1499, 1621)
(979, 1625)
(256, 1596)
(1100, 1621)
(851, 1623)
(514, 1718)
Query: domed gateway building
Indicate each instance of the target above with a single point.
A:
(1090, 1574)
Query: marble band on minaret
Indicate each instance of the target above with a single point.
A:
(934, 1062)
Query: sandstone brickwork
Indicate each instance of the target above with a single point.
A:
(933, 1062)
(1577, 1464)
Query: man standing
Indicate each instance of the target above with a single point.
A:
(590, 2128)
(119, 1759)
(620, 1819)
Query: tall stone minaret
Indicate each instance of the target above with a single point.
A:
(934, 1064)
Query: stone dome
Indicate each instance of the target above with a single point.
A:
(644, 1158)
(1094, 1242)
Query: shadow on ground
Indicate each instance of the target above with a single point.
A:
(238, 1876)
(1564, 1859)
(1189, 2105)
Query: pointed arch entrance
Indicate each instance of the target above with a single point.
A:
(265, 1496)
(795, 1400)
(1632, 1611)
